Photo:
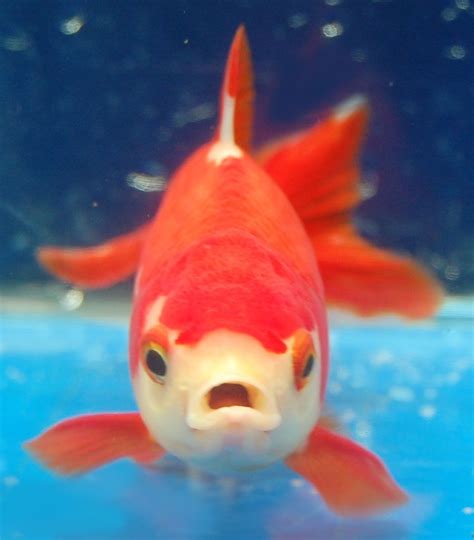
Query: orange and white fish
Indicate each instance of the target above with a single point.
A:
(228, 338)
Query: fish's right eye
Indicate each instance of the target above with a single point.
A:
(155, 364)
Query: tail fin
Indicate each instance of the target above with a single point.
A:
(237, 95)
(319, 172)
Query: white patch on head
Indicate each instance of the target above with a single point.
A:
(348, 107)
(182, 416)
(222, 150)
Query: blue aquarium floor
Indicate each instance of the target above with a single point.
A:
(404, 391)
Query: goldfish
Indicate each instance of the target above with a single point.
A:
(228, 345)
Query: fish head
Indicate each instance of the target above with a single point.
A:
(226, 403)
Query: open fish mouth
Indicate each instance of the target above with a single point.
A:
(233, 404)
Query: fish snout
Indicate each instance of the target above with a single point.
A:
(228, 404)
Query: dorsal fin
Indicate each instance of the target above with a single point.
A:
(237, 94)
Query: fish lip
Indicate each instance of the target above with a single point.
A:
(263, 416)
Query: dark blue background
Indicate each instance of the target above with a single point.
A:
(79, 112)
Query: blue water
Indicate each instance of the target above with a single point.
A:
(405, 391)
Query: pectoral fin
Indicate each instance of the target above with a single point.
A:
(351, 480)
(97, 266)
(80, 444)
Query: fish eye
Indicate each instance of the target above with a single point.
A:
(308, 367)
(156, 364)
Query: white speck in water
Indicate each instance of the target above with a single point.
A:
(430, 393)
(402, 393)
(11, 481)
(468, 510)
(72, 26)
(15, 375)
(332, 30)
(333, 2)
(72, 300)
(359, 55)
(455, 52)
(463, 4)
(297, 20)
(381, 358)
(186, 41)
(297, 482)
(363, 429)
(449, 14)
(427, 411)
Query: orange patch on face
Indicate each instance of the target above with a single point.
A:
(303, 355)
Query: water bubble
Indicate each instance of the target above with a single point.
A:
(359, 55)
(468, 510)
(451, 272)
(297, 482)
(381, 358)
(453, 378)
(297, 20)
(449, 14)
(347, 416)
(145, 182)
(342, 373)
(463, 4)
(334, 388)
(455, 52)
(72, 25)
(16, 43)
(332, 30)
(427, 411)
(430, 393)
(401, 393)
(333, 2)
(72, 300)
(15, 375)
(11, 481)
(363, 429)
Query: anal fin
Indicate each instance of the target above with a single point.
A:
(80, 444)
(97, 266)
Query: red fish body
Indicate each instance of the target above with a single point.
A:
(228, 338)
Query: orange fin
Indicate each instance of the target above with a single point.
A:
(351, 480)
(319, 172)
(77, 445)
(371, 281)
(237, 94)
(97, 266)
(317, 168)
